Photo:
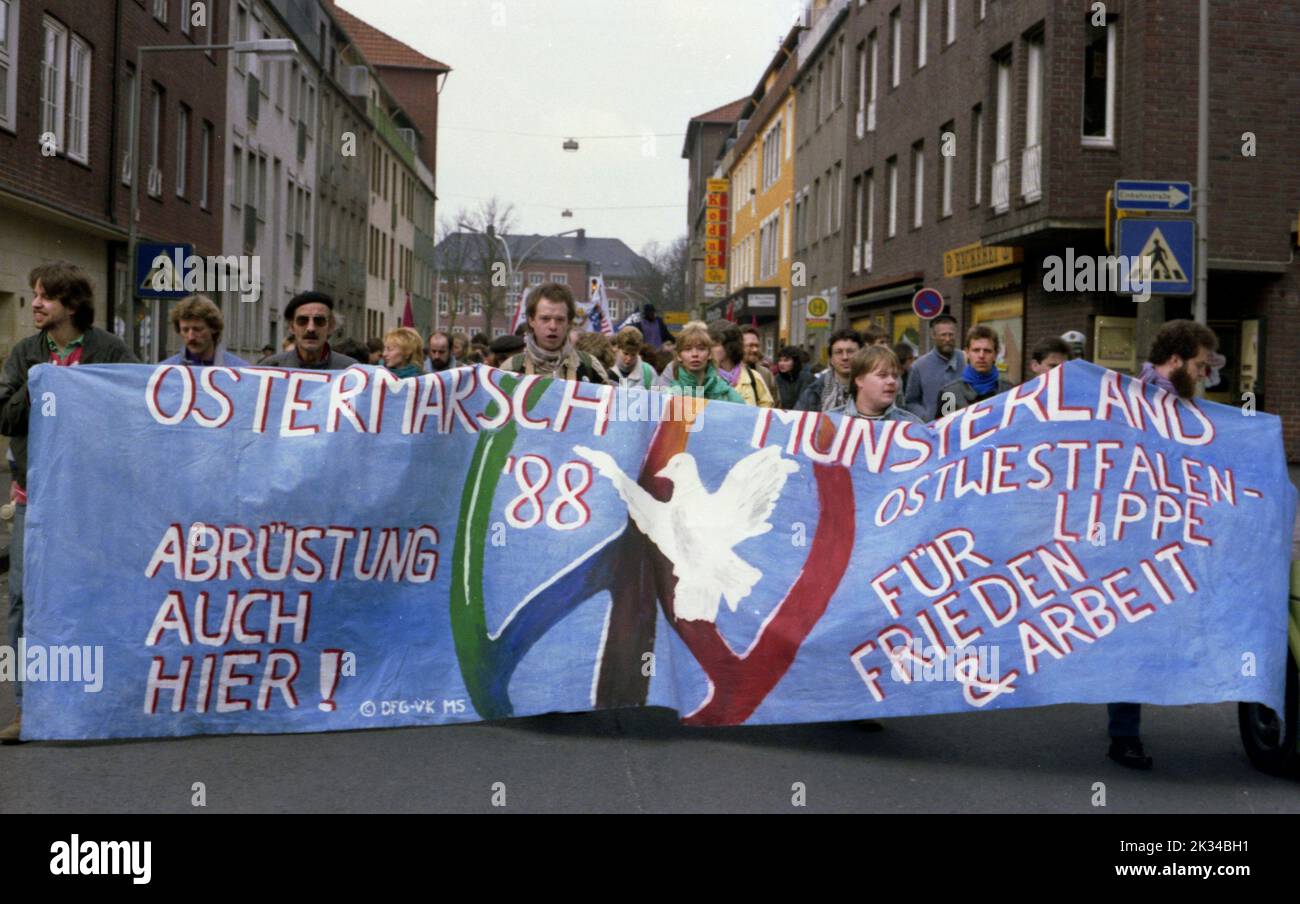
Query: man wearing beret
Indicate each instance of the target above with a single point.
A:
(310, 316)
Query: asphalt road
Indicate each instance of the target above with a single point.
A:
(643, 761)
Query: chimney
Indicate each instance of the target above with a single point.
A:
(582, 234)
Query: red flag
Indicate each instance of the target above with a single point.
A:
(408, 316)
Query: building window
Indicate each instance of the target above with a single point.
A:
(442, 304)
(873, 54)
(182, 151)
(945, 170)
(837, 182)
(977, 136)
(922, 34)
(536, 279)
(918, 185)
(241, 34)
(787, 231)
(834, 72)
(891, 179)
(476, 304)
(186, 12)
(155, 141)
(236, 176)
(52, 82)
(8, 53)
(895, 48)
(949, 22)
(868, 242)
(1002, 137)
(560, 278)
(205, 164)
(1099, 86)
(1032, 157)
(857, 226)
(160, 11)
(79, 100)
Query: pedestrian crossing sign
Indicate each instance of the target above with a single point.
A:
(1167, 249)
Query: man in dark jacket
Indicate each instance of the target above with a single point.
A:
(310, 316)
(831, 389)
(63, 307)
(981, 378)
(792, 378)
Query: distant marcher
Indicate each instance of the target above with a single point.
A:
(440, 357)
(1179, 359)
(654, 330)
(875, 377)
(310, 316)
(729, 359)
(200, 325)
(459, 345)
(353, 348)
(832, 388)
(503, 348)
(598, 346)
(548, 350)
(287, 342)
(374, 351)
(268, 352)
(402, 348)
(906, 356)
(669, 345)
(754, 357)
(629, 369)
(981, 378)
(1049, 353)
(934, 370)
(694, 373)
(874, 335)
(792, 378)
(480, 341)
(63, 312)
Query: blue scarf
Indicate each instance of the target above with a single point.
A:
(983, 384)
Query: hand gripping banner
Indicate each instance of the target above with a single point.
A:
(259, 550)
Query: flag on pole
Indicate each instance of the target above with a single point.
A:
(408, 316)
(519, 311)
(599, 312)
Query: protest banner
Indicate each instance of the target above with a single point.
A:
(263, 550)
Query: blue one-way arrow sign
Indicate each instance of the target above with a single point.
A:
(1161, 195)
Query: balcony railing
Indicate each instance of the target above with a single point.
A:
(1001, 186)
(1031, 173)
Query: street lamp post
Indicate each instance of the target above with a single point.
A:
(273, 47)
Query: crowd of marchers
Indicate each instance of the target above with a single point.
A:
(721, 361)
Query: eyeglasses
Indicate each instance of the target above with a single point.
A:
(303, 320)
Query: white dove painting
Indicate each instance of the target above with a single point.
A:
(697, 531)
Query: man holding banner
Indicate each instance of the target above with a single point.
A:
(1179, 360)
(551, 311)
(63, 309)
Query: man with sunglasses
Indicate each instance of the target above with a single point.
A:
(310, 316)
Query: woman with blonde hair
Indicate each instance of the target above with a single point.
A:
(694, 373)
(403, 351)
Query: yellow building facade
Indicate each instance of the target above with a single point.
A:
(761, 176)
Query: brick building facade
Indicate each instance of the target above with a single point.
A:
(1044, 109)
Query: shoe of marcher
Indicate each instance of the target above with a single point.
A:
(1128, 752)
(13, 732)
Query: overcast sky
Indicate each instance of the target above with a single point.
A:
(583, 68)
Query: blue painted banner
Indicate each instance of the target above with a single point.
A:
(287, 551)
